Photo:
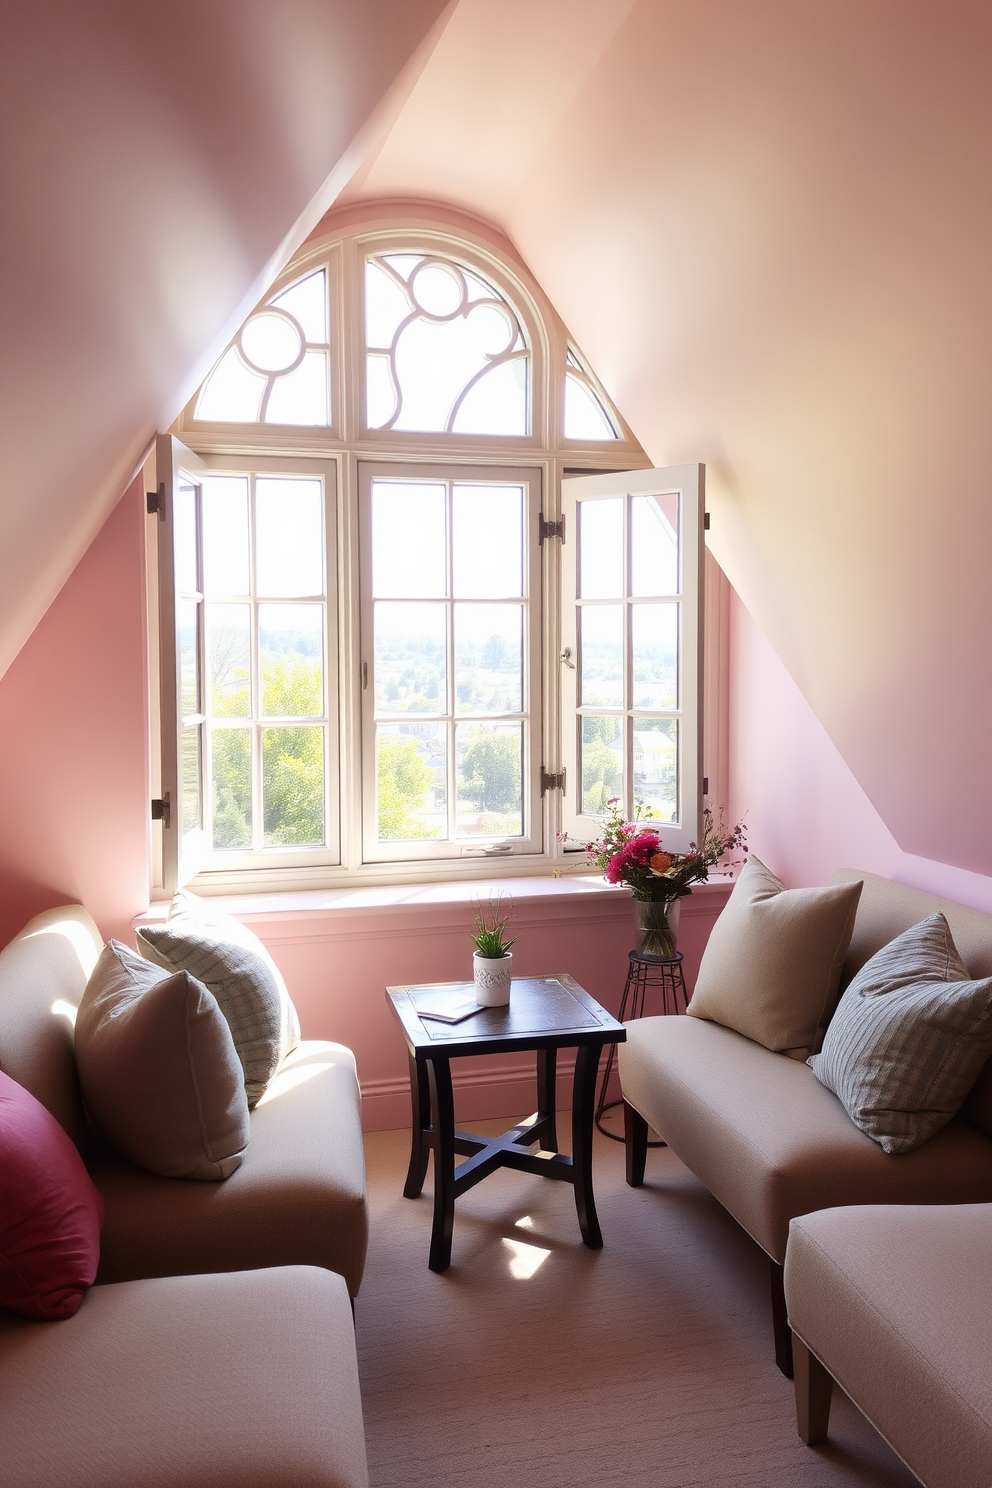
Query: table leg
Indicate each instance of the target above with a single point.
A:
(443, 1142)
(583, 1103)
(547, 1081)
(420, 1149)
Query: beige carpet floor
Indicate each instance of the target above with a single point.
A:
(648, 1363)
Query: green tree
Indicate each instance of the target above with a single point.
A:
(491, 770)
(403, 778)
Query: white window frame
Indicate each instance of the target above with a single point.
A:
(688, 481)
(530, 842)
(345, 441)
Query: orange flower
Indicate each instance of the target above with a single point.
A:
(660, 862)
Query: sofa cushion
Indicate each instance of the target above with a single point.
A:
(771, 967)
(298, 1197)
(188, 1382)
(895, 1301)
(50, 1213)
(769, 1141)
(231, 960)
(908, 1039)
(159, 1070)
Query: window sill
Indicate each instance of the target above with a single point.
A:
(528, 893)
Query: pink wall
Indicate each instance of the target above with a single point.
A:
(806, 812)
(74, 742)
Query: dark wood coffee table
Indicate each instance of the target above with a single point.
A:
(545, 1014)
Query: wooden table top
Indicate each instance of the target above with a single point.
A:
(543, 1012)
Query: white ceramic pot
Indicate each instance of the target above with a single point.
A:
(492, 979)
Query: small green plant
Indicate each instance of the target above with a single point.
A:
(490, 923)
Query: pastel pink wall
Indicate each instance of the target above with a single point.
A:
(74, 786)
(806, 812)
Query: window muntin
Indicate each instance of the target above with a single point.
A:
(451, 661)
(277, 370)
(631, 625)
(586, 414)
(445, 351)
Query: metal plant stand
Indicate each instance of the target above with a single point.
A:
(660, 974)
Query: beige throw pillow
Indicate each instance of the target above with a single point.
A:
(229, 959)
(159, 1070)
(771, 968)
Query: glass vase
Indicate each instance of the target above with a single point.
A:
(656, 922)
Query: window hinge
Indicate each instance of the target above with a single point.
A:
(552, 782)
(162, 810)
(706, 521)
(155, 501)
(706, 785)
(550, 529)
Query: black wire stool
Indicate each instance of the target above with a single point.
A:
(659, 973)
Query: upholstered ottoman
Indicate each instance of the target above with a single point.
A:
(246, 1379)
(894, 1304)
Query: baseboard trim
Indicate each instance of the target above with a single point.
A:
(507, 1090)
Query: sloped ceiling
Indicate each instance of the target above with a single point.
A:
(159, 163)
(769, 226)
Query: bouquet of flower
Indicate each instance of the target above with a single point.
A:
(631, 854)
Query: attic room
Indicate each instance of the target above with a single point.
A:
(758, 234)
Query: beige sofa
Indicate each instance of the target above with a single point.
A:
(894, 1302)
(170, 1377)
(767, 1139)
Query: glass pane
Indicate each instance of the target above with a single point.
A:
(438, 288)
(291, 660)
(307, 303)
(655, 637)
(231, 763)
(410, 658)
(184, 540)
(497, 403)
(411, 770)
(225, 535)
(230, 660)
(601, 652)
(488, 758)
(654, 535)
(271, 342)
(380, 395)
(488, 658)
(232, 393)
(189, 658)
(385, 306)
(487, 541)
(408, 540)
(435, 361)
(585, 416)
(601, 548)
(289, 535)
(300, 397)
(293, 786)
(191, 766)
(656, 774)
(601, 764)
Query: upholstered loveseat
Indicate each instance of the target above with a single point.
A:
(218, 1345)
(770, 1141)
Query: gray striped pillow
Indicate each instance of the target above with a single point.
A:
(909, 1038)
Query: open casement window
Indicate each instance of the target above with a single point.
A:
(451, 661)
(249, 736)
(631, 649)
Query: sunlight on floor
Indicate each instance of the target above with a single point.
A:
(525, 1260)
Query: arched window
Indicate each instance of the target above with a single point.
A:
(360, 560)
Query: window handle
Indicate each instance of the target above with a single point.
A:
(566, 657)
(365, 676)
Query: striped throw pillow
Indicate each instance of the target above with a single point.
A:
(908, 1039)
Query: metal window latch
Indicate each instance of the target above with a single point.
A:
(162, 810)
(552, 782)
(550, 529)
(566, 658)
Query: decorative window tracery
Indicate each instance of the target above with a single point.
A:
(445, 351)
(586, 415)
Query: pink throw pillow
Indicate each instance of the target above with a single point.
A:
(50, 1212)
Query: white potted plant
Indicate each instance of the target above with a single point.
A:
(493, 963)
